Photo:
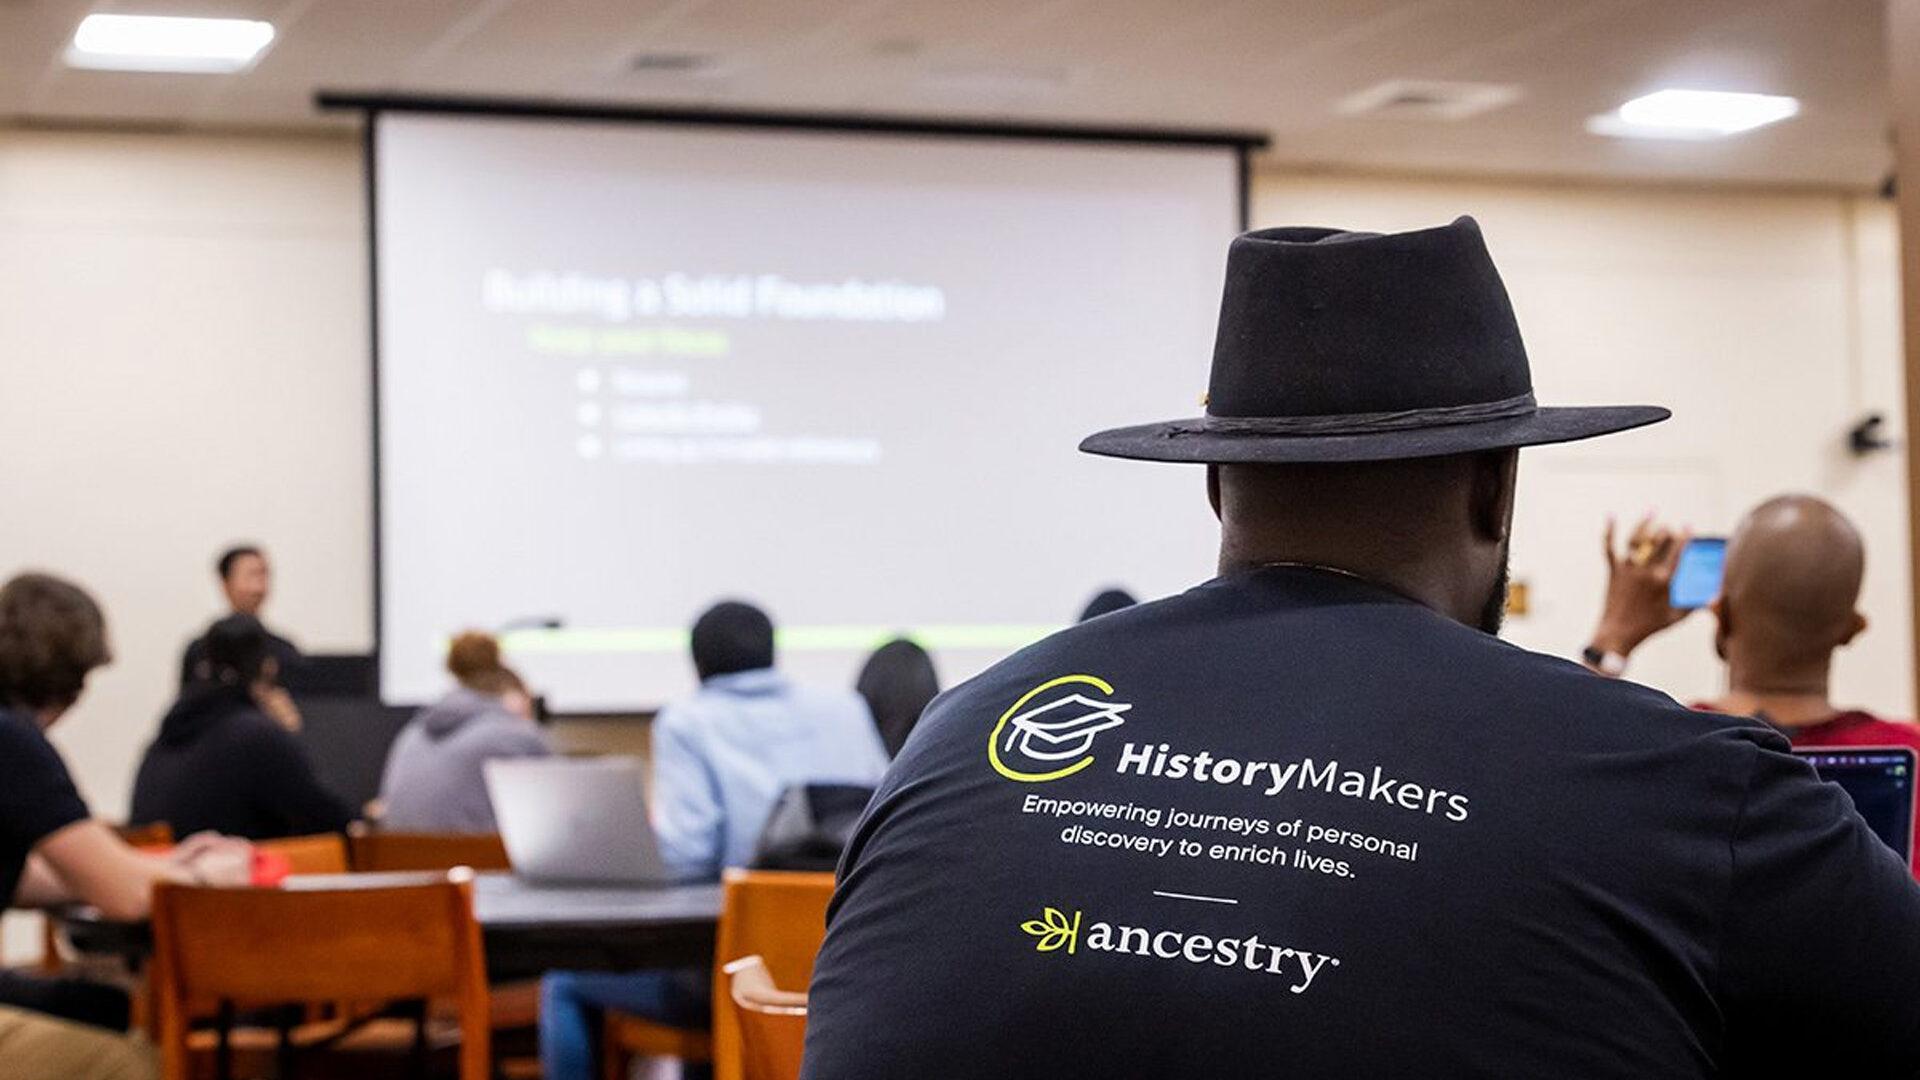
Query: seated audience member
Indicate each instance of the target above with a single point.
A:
(721, 758)
(245, 579)
(1787, 600)
(1105, 602)
(896, 682)
(435, 779)
(1312, 817)
(51, 635)
(226, 758)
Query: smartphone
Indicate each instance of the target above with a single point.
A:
(1696, 580)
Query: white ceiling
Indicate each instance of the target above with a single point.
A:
(1278, 66)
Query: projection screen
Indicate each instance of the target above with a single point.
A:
(626, 369)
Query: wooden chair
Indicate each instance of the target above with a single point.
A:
(220, 949)
(625, 1037)
(779, 915)
(773, 1022)
(512, 1005)
(321, 853)
(380, 852)
(159, 834)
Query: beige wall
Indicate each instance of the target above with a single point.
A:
(183, 363)
(176, 302)
(1769, 323)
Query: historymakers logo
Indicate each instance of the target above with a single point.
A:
(1048, 733)
(1055, 930)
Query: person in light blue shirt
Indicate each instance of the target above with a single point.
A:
(721, 758)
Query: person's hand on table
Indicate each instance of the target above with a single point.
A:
(1639, 576)
(209, 858)
(197, 843)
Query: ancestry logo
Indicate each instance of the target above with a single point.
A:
(1059, 931)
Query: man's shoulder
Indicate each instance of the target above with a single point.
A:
(830, 700)
(504, 731)
(1858, 727)
(22, 740)
(1399, 651)
(35, 781)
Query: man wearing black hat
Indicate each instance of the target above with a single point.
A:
(1312, 818)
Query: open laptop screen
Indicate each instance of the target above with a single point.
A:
(1880, 780)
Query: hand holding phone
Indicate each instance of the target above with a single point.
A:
(1696, 577)
(1639, 586)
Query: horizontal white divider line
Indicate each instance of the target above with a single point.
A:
(1191, 896)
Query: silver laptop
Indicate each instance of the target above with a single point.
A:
(575, 821)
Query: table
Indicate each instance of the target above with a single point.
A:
(528, 928)
(534, 928)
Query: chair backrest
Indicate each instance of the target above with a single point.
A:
(391, 941)
(380, 852)
(778, 915)
(773, 1022)
(157, 834)
(322, 853)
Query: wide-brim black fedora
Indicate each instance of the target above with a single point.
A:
(1348, 346)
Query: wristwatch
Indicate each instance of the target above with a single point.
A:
(1610, 664)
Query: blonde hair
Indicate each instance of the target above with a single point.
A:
(474, 660)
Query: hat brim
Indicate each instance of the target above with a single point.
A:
(1192, 441)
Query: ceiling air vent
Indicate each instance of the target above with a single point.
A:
(669, 63)
(1426, 99)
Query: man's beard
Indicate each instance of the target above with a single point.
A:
(1494, 612)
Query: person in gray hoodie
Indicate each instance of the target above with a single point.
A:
(434, 778)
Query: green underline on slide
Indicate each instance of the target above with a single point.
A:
(649, 639)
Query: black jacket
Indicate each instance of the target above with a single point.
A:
(220, 763)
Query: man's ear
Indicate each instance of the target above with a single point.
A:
(1490, 491)
(1213, 489)
(1855, 627)
(1722, 624)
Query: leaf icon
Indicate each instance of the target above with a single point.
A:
(1053, 929)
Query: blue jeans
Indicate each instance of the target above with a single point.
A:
(569, 998)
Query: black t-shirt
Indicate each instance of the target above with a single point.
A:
(37, 797)
(1291, 824)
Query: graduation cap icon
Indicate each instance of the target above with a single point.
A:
(1063, 727)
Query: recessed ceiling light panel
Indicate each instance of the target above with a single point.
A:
(1693, 114)
(167, 43)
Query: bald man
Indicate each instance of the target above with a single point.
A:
(1788, 599)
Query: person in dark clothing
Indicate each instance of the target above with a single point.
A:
(1312, 817)
(52, 634)
(246, 580)
(222, 762)
(1106, 602)
(897, 681)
